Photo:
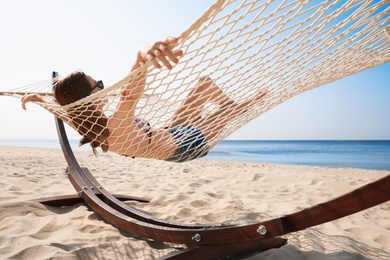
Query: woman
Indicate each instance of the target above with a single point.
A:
(185, 135)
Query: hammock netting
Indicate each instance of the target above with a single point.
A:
(278, 48)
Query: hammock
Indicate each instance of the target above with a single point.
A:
(282, 49)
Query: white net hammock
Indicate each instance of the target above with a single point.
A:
(280, 48)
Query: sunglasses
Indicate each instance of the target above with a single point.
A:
(99, 84)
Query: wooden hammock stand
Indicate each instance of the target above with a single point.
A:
(206, 242)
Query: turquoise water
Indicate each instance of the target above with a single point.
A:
(356, 154)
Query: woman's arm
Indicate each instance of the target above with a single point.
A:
(159, 54)
(34, 98)
(43, 99)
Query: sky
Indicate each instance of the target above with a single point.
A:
(102, 37)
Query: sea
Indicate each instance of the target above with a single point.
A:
(373, 155)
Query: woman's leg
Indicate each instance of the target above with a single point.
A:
(205, 90)
(212, 124)
(189, 111)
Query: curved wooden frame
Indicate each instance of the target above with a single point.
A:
(207, 242)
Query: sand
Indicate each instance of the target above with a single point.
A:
(197, 192)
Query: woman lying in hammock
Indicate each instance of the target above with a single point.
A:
(185, 135)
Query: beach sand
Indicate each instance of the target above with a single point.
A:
(197, 192)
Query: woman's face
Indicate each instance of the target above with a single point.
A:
(97, 86)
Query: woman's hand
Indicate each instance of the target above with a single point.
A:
(159, 54)
(31, 98)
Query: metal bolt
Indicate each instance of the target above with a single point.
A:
(197, 237)
(92, 188)
(262, 230)
(85, 187)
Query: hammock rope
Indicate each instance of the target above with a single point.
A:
(249, 47)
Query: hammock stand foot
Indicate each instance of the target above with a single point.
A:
(69, 200)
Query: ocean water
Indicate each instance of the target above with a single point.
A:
(355, 154)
